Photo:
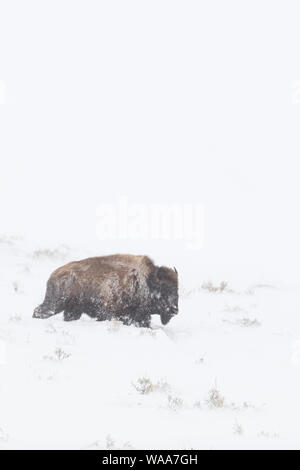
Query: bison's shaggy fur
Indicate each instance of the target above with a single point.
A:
(124, 287)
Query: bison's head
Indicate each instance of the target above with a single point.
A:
(164, 293)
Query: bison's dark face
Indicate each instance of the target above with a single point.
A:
(164, 287)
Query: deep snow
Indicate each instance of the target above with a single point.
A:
(78, 385)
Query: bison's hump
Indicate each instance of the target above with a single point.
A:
(106, 265)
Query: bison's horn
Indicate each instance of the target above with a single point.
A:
(175, 270)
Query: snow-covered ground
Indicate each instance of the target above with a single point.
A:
(173, 105)
(223, 374)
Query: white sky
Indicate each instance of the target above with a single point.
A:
(160, 101)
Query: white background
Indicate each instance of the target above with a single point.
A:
(160, 101)
(166, 102)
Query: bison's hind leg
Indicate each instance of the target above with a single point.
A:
(140, 322)
(43, 311)
(52, 303)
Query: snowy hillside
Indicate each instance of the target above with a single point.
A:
(223, 374)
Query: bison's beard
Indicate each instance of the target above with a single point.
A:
(165, 318)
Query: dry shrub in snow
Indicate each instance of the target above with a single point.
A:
(244, 322)
(15, 318)
(3, 435)
(66, 337)
(45, 376)
(144, 386)
(109, 443)
(174, 403)
(199, 361)
(223, 287)
(59, 355)
(244, 406)
(148, 332)
(215, 399)
(233, 309)
(238, 429)
(56, 254)
(268, 435)
(51, 329)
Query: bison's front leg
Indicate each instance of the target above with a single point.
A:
(141, 318)
(137, 319)
(143, 322)
(71, 315)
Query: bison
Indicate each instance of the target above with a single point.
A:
(128, 288)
